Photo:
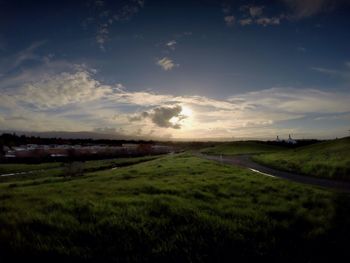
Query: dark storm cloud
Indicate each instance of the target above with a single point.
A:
(162, 115)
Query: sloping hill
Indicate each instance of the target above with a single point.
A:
(242, 147)
(177, 208)
(329, 159)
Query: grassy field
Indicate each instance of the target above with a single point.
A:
(327, 159)
(21, 167)
(177, 208)
(58, 169)
(242, 147)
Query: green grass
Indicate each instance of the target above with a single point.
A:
(174, 209)
(329, 159)
(242, 147)
(117, 162)
(21, 167)
(57, 169)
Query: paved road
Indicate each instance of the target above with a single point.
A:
(246, 162)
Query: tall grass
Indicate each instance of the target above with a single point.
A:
(328, 159)
(175, 209)
(241, 147)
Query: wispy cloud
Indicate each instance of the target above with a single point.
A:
(245, 21)
(305, 8)
(253, 14)
(343, 73)
(166, 63)
(76, 100)
(230, 20)
(256, 11)
(295, 10)
(327, 71)
(28, 54)
(266, 21)
(104, 16)
(102, 36)
(171, 44)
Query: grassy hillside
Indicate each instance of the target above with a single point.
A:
(174, 209)
(58, 169)
(242, 147)
(21, 167)
(329, 159)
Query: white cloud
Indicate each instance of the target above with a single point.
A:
(327, 71)
(166, 63)
(266, 21)
(343, 73)
(74, 100)
(306, 8)
(102, 36)
(298, 101)
(295, 10)
(17, 59)
(171, 44)
(63, 89)
(230, 20)
(246, 21)
(256, 11)
(104, 16)
(252, 14)
(27, 54)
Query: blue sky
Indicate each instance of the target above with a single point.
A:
(176, 69)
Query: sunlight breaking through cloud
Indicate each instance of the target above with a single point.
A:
(53, 98)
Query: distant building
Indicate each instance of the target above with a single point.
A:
(10, 154)
(161, 149)
(290, 140)
(130, 145)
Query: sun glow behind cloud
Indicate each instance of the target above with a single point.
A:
(185, 118)
(77, 101)
(251, 91)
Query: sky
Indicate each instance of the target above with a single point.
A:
(200, 69)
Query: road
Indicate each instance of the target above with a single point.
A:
(246, 162)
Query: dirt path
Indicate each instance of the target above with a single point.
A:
(26, 172)
(246, 162)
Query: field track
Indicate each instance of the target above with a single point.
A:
(246, 162)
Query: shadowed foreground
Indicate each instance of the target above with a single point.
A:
(176, 208)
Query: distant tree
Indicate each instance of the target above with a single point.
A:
(72, 153)
(2, 151)
(144, 149)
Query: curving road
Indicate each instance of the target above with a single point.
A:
(246, 162)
